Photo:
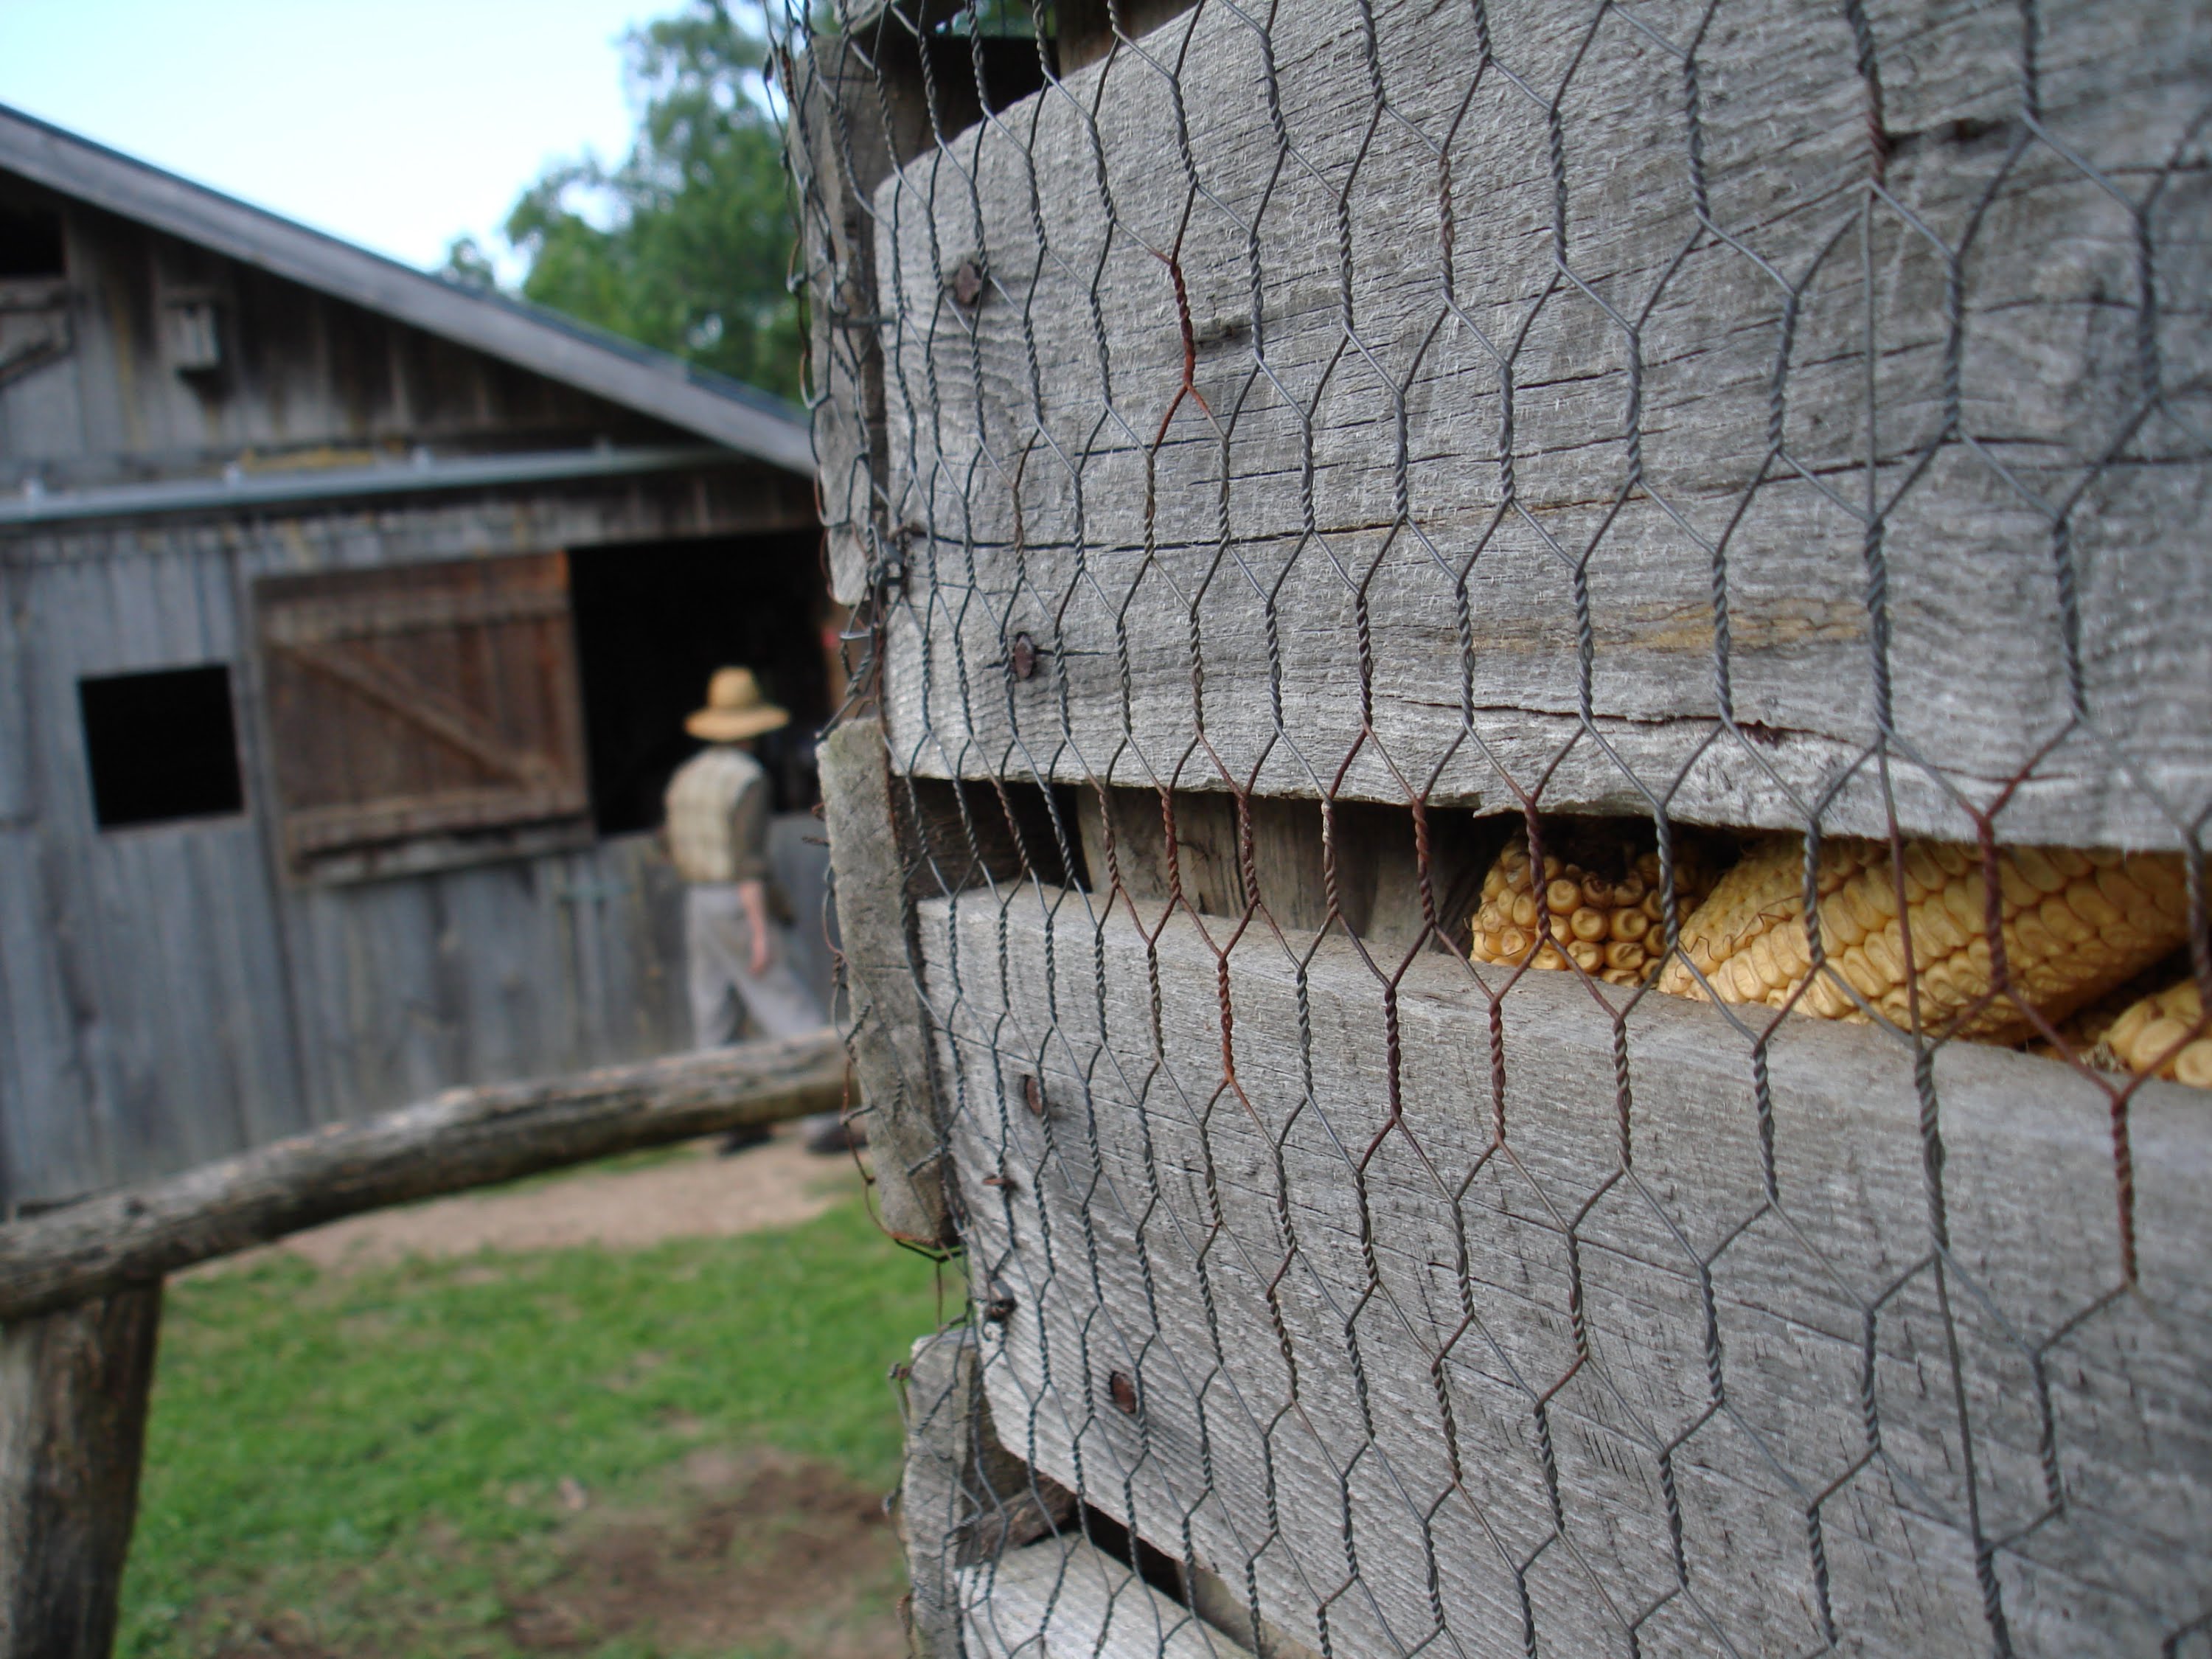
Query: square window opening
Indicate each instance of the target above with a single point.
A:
(30, 242)
(162, 746)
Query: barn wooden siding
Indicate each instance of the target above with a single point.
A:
(170, 996)
(172, 992)
(303, 374)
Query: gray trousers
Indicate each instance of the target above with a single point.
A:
(726, 994)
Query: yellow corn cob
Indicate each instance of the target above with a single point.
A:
(1607, 925)
(2074, 924)
(2165, 1033)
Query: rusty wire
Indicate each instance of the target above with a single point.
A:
(1019, 585)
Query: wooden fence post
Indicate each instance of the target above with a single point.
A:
(73, 1392)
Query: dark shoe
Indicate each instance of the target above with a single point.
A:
(743, 1140)
(830, 1135)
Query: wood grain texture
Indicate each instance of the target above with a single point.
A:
(1516, 1319)
(74, 1386)
(1335, 418)
(843, 123)
(883, 1007)
(1063, 1599)
(463, 1138)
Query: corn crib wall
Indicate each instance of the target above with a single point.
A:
(1298, 469)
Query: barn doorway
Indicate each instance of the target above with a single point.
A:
(654, 620)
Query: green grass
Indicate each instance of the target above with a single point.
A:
(380, 1454)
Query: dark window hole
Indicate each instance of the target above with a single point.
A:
(161, 745)
(30, 242)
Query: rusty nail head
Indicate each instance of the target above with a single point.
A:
(1033, 1097)
(967, 284)
(998, 1309)
(1023, 656)
(1123, 1391)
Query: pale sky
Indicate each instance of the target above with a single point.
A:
(395, 124)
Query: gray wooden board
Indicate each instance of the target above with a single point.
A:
(51, 1145)
(504, 970)
(15, 797)
(1107, 1237)
(1063, 1599)
(881, 1016)
(1279, 540)
(835, 144)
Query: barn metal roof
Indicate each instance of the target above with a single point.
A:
(714, 406)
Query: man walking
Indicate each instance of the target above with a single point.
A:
(734, 915)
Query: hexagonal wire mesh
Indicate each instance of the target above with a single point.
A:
(1542, 693)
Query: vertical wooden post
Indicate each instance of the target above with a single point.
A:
(965, 1498)
(883, 1013)
(72, 1393)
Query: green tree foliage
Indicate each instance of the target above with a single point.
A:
(686, 245)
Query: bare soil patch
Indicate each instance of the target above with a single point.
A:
(756, 1551)
(695, 1195)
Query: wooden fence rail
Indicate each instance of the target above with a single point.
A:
(80, 1287)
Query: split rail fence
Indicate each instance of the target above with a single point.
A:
(81, 1285)
(1294, 465)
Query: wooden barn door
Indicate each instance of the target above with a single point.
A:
(423, 715)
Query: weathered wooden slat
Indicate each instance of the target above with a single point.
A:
(326, 829)
(845, 121)
(312, 622)
(1063, 1599)
(15, 796)
(463, 1138)
(882, 1017)
(51, 1147)
(1556, 1317)
(73, 1391)
(1462, 415)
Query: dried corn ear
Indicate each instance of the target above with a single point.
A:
(2074, 925)
(2083, 1032)
(2165, 1035)
(1607, 925)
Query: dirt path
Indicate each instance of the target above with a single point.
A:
(692, 1195)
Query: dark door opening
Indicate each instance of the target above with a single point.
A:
(654, 620)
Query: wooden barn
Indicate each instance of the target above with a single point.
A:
(347, 618)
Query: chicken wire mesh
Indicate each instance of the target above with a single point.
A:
(1541, 682)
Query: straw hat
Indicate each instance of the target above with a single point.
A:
(735, 710)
